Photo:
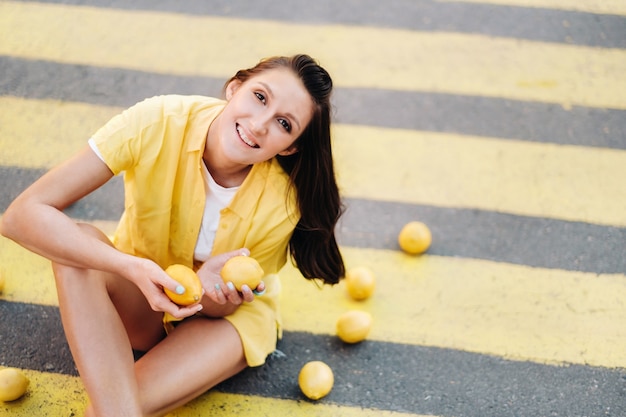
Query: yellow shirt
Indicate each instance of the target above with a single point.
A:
(158, 144)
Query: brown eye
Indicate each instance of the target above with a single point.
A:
(285, 124)
(261, 97)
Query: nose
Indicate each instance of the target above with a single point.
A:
(260, 123)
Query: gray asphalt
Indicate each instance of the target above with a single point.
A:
(387, 376)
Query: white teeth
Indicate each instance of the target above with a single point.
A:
(243, 137)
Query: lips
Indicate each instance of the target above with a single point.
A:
(245, 138)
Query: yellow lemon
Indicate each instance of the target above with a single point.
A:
(360, 283)
(13, 384)
(188, 279)
(242, 270)
(353, 326)
(415, 238)
(1, 281)
(316, 379)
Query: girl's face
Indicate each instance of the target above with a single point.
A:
(264, 116)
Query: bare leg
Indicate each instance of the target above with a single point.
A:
(99, 311)
(196, 356)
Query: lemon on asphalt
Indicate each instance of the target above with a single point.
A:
(353, 326)
(415, 238)
(360, 282)
(13, 384)
(316, 379)
(189, 280)
(242, 270)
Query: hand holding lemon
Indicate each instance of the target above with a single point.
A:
(190, 282)
(242, 270)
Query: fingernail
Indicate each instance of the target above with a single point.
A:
(244, 254)
(258, 293)
(217, 287)
(180, 290)
(199, 307)
(231, 286)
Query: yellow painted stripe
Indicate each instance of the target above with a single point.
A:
(28, 277)
(43, 133)
(48, 394)
(513, 311)
(227, 405)
(57, 395)
(536, 179)
(617, 7)
(526, 178)
(356, 56)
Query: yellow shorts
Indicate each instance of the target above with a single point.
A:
(258, 323)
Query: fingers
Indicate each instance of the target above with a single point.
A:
(232, 294)
(161, 302)
(171, 284)
(260, 289)
(247, 293)
(181, 312)
(228, 293)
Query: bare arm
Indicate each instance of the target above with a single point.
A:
(36, 221)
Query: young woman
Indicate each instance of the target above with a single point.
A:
(204, 179)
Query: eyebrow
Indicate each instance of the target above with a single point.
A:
(271, 93)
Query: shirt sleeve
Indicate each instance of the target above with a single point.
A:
(120, 142)
(94, 148)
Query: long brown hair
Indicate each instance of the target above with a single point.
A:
(313, 245)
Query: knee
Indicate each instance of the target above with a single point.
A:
(66, 273)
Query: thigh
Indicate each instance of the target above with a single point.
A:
(81, 290)
(197, 355)
(143, 325)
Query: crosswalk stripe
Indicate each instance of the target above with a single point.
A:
(481, 65)
(513, 311)
(43, 133)
(447, 170)
(617, 7)
(57, 395)
(525, 178)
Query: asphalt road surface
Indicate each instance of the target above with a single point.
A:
(500, 124)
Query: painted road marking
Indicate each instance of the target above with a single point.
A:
(440, 169)
(617, 7)
(375, 224)
(513, 311)
(448, 170)
(44, 133)
(57, 395)
(501, 118)
(483, 65)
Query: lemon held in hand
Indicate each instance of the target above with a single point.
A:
(415, 238)
(242, 270)
(316, 379)
(189, 280)
(13, 384)
(353, 326)
(360, 283)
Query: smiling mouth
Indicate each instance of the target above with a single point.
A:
(245, 138)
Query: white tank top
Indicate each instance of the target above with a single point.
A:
(218, 198)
